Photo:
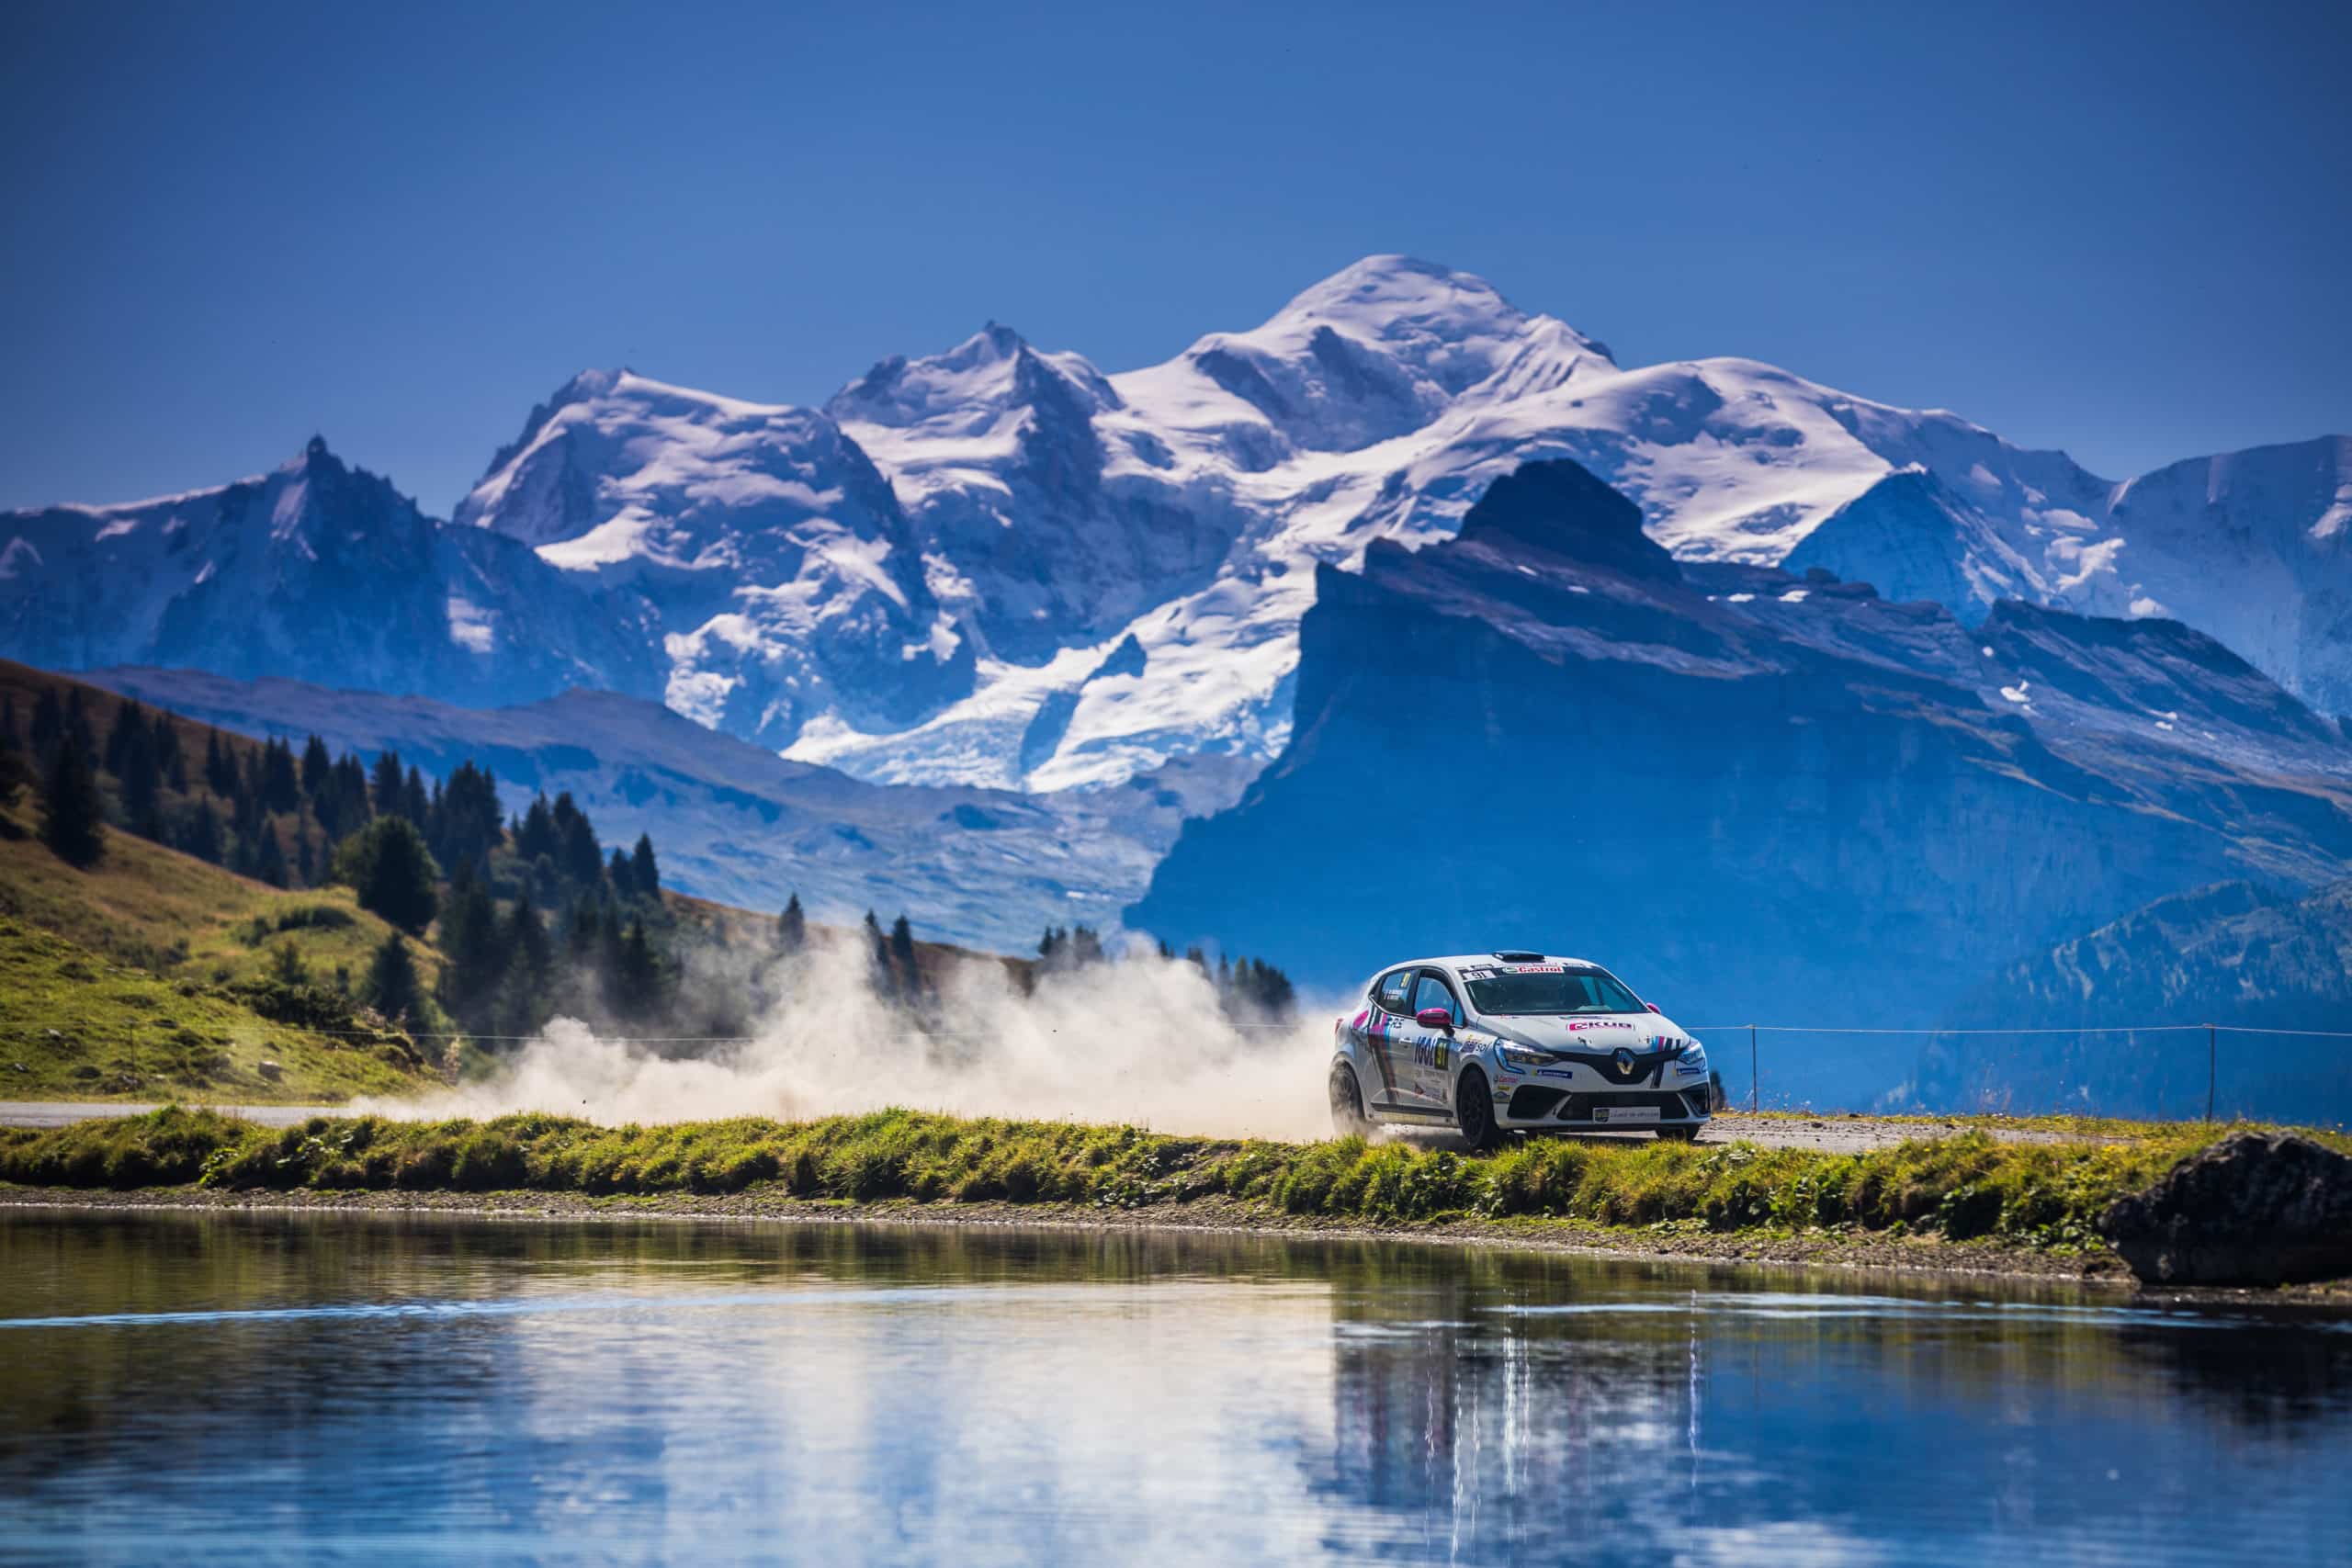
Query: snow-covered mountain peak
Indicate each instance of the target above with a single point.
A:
(968, 388)
(620, 467)
(1377, 350)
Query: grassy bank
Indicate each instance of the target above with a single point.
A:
(2043, 1196)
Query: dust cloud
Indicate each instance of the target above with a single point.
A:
(1142, 1040)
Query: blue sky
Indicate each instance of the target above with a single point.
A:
(2120, 230)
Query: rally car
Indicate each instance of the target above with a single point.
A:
(1505, 1042)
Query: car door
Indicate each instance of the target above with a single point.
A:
(1387, 1033)
(1432, 1053)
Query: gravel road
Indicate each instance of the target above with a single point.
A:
(59, 1113)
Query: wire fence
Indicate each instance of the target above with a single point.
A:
(2211, 1034)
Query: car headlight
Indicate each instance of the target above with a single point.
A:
(1520, 1056)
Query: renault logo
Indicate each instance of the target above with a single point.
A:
(1624, 1060)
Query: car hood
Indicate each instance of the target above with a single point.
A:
(1592, 1032)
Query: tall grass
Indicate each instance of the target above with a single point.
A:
(1958, 1188)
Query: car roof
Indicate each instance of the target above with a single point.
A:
(1478, 960)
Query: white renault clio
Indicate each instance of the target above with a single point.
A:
(1514, 1042)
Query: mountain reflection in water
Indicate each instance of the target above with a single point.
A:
(260, 1387)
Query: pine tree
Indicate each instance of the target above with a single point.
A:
(623, 875)
(791, 927)
(644, 874)
(391, 986)
(200, 832)
(877, 956)
(385, 785)
(389, 867)
(529, 950)
(269, 855)
(521, 1006)
(49, 724)
(304, 866)
(142, 776)
(72, 822)
(220, 768)
(580, 933)
(317, 766)
(285, 966)
(16, 773)
(471, 938)
(129, 720)
(903, 955)
(281, 786)
(637, 981)
(168, 758)
(413, 803)
(608, 937)
(77, 727)
(578, 856)
(535, 836)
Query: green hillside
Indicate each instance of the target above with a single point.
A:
(77, 1025)
(152, 974)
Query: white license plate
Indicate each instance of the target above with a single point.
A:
(1616, 1114)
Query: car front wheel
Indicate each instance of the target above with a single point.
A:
(1348, 1118)
(1474, 1111)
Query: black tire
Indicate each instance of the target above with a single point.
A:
(1678, 1135)
(1474, 1112)
(1348, 1118)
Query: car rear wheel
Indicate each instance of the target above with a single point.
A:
(1474, 1111)
(1678, 1135)
(1348, 1118)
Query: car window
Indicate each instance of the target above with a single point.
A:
(1394, 989)
(1429, 991)
(1520, 989)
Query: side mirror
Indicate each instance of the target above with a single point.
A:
(1435, 1018)
(1652, 1006)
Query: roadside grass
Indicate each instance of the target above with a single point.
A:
(1961, 1188)
(74, 1024)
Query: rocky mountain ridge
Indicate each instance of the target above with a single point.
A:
(1763, 794)
(927, 578)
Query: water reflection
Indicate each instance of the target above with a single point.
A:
(182, 1386)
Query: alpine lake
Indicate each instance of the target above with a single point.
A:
(264, 1387)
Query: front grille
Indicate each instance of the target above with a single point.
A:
(1530, 1102)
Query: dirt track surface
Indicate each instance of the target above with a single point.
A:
(1855, 1134)
(1833, 1133)
(61, 1113)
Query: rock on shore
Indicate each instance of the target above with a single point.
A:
(2256, 1208)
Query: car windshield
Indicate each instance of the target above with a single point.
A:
(1523, 988)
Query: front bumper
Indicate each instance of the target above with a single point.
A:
(1535, 1105)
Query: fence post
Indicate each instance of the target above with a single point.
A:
(2209, 1072)
(1752, 1084)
